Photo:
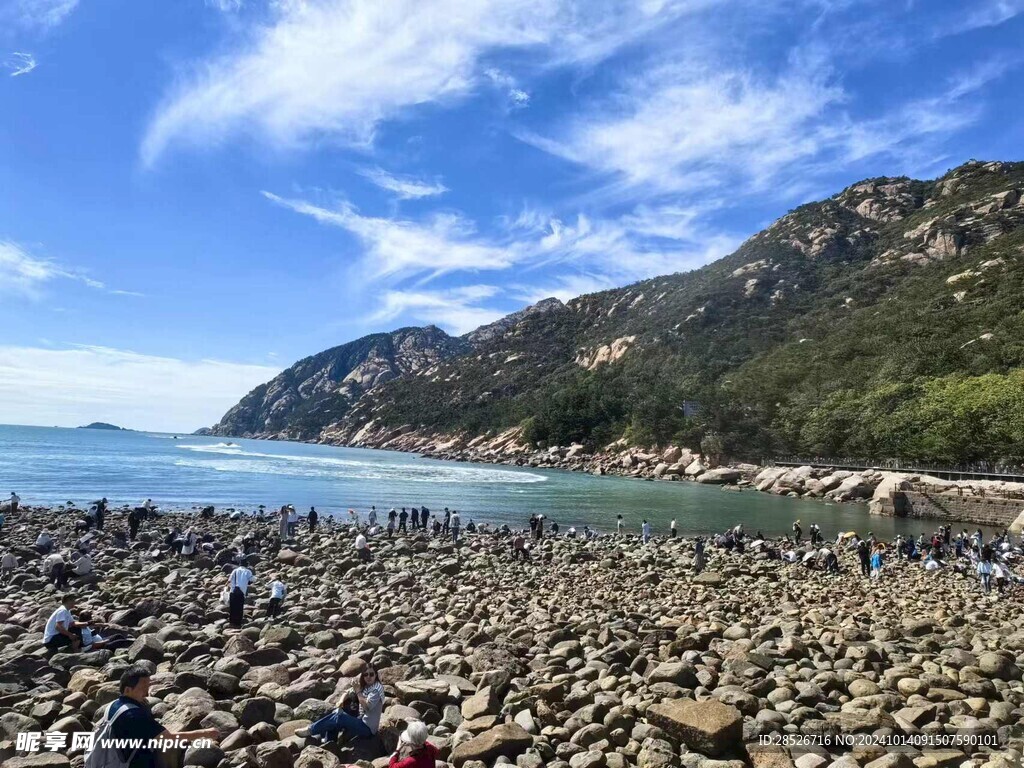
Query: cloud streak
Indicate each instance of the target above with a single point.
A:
(336, 68)
(20, 63)
(80, 384)
(38, 14)
(25, 275)
(403, 187)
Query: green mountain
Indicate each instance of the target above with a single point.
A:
(885, 321)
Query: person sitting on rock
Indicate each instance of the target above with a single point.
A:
(62, 631)
(370, 693)
(44, 543)
(82, 565)
(363, 549)
(55, 569)
(414, 751)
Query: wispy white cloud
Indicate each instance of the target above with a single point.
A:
(517, 96)
(979, 14)
(337, 68)
(37, 14)
(25, 275)
(404, 187)
(457, 310)
(691, 129)
(397, 248)
(226, 6)
(76, 385)
(589, 254)
(19, 63)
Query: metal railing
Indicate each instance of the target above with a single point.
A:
(980, 469)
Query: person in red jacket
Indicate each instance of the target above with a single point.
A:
(414, 751)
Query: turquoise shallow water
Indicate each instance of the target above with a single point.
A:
(52, 466)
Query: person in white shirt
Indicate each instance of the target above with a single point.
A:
(672, 528)
(55, 569)
(188, 548)
(83, 565)
(8, 564)
(293, 520)
(277, 593)
(15, 501)
(44, 543)
(363, 549)
(619, 522)
(238, 586)
(60, 628)
(645, 531)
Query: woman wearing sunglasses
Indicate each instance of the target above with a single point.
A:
(370, 694)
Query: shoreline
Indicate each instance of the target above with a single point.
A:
(874, 487)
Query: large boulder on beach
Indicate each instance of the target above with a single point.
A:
(719, 476)
(506, 740)
(709, 727)
(695, 468)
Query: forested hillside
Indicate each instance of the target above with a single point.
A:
(886, 321)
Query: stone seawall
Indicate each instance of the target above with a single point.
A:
(952, 507)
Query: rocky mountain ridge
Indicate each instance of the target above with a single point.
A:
(832, 330)
(324, 386)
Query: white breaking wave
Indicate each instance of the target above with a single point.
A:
(254, 462)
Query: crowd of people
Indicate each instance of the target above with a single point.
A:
(991, 561)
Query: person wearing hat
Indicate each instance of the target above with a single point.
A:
(414, 751)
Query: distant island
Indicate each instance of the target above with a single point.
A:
(104, 425)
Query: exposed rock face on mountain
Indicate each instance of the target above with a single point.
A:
(320, 389)
(877, 322)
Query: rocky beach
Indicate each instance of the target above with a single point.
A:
(604, 653)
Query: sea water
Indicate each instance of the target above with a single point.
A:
(48, 466)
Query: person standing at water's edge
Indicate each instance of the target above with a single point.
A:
(797, 530)
(619, 523)
(672, 528)
(238, 587)
(282, 522)
(455, 522)
(645, 531)
(15, 501)
(312, 518)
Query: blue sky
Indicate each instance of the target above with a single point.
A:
(194, 194)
